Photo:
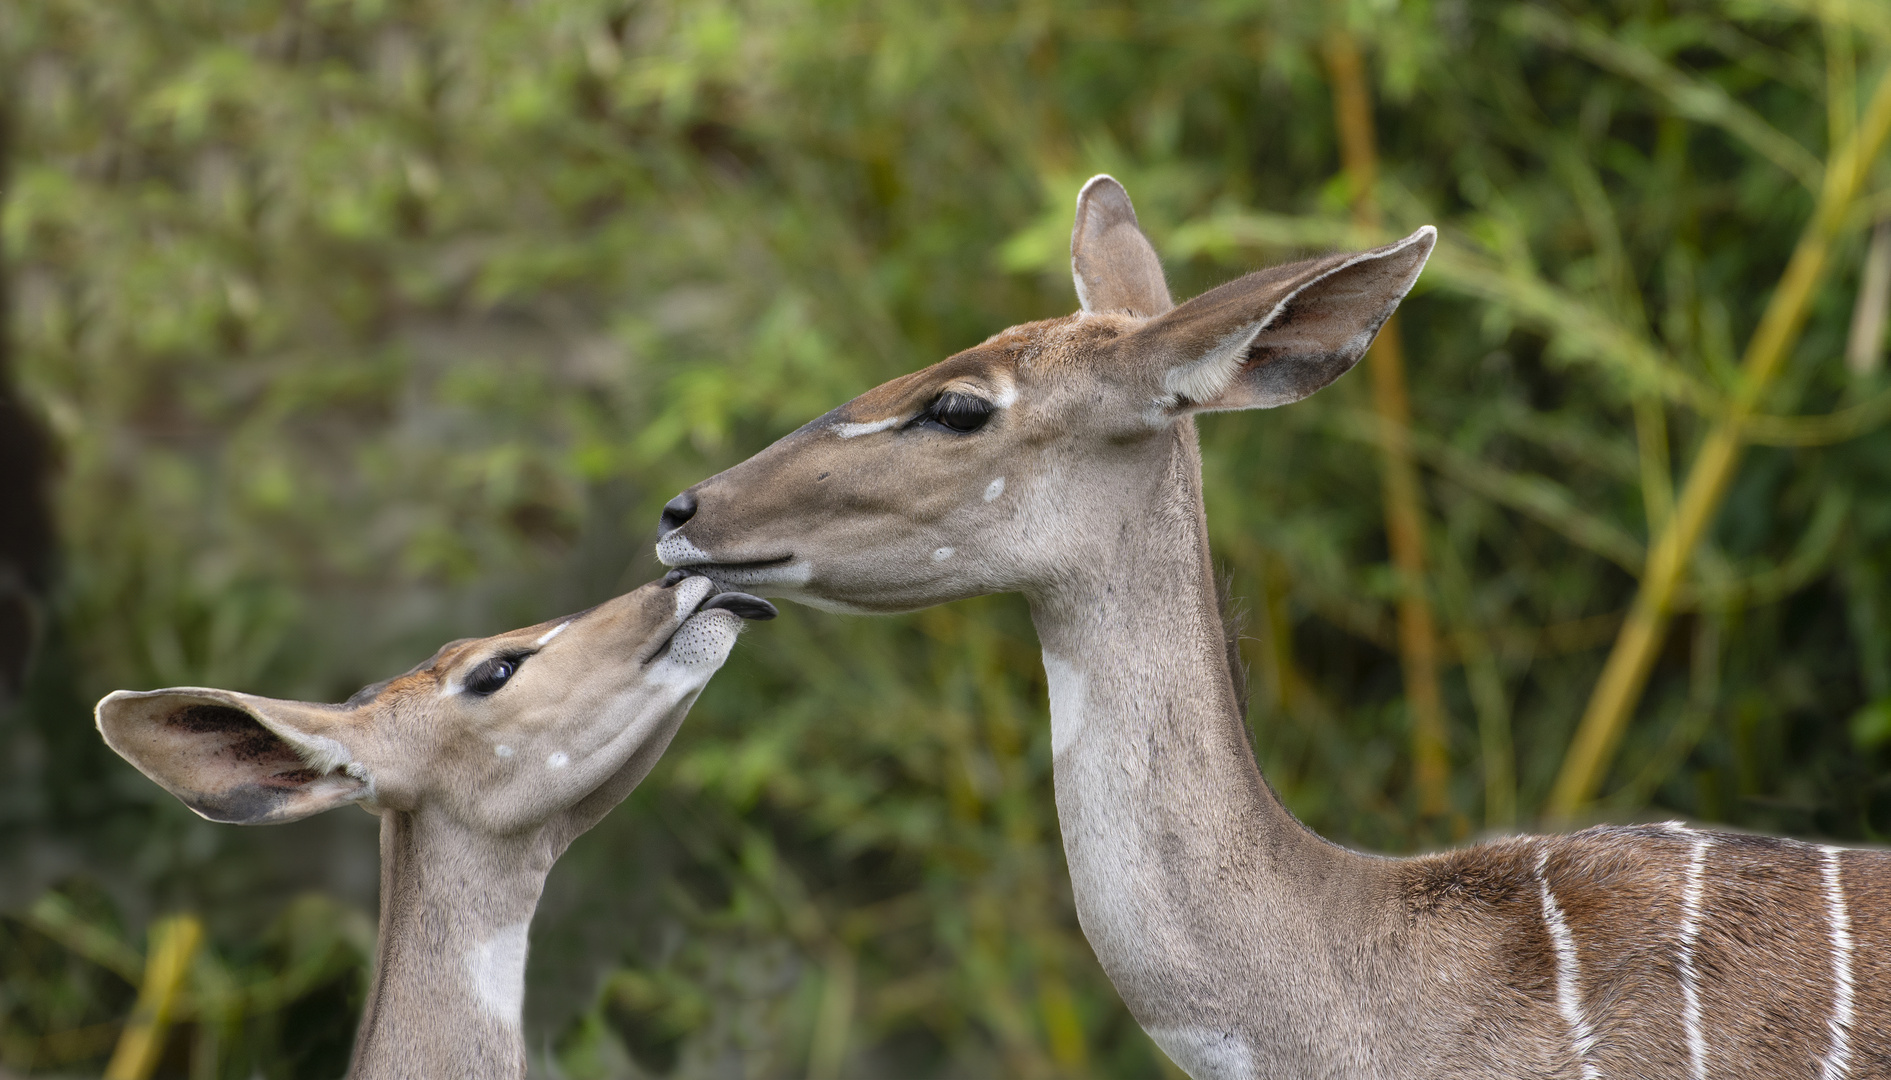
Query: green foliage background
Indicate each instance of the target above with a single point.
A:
(363, 325)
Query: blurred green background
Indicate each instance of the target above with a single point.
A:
(339, 328)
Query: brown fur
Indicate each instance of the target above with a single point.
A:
(1866, 878)
(1763, 961)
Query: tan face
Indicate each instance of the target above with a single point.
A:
(501, 733)
(1002, 467)
(943, 484)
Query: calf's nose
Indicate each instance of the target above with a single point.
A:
(675, 513)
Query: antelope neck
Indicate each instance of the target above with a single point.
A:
(449, 970)
(1222, 920)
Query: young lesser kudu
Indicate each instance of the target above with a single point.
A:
(1059, 459)
(484, 764)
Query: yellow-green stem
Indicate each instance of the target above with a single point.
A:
(1626, 673)
(174, 943)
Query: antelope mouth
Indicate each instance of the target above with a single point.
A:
(782, 570)
(740, 604)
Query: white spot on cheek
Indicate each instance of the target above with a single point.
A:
(848, 431)
(558, 760)
(994, 489)
(1007, 397)
(502, 750)
(497, 967)
(942, 554)
(1067, 694)
(552, 633)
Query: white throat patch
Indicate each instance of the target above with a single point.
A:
(497, 968)
(1068, 687)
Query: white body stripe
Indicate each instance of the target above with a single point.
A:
(1568, 971)
(1690, 932)
(1838, 1058)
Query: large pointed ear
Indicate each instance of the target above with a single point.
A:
(1115, 267)
(1276, 336)
(234, 757)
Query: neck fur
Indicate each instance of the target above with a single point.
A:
(449, 976)
(1210, 907)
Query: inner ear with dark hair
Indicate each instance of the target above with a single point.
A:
(1277, 335)
(234, 757)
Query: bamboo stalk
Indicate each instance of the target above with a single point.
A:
(1864, 348)
(1626, 672)
(834, 1017)
(1404, 517)
(174, 943)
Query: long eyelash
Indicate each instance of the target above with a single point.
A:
(953, 405)
(960, 403)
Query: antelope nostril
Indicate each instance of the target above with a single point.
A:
(675, 513)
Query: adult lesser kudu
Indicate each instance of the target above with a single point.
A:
(1059, 459)
(484, 764)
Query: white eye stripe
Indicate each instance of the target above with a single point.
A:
(849, 431)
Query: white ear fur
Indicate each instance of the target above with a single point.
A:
(1208, 381)
(1209, 376)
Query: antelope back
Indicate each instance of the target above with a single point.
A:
(1658, 951)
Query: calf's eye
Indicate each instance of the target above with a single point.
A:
(489, 676)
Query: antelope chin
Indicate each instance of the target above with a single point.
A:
(781, 571)
(787, 574)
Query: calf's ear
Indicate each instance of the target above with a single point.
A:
(1277, 335)
(234, 757)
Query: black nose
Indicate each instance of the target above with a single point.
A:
(675, 513)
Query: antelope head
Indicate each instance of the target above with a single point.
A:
(999, 468)
(553, 723)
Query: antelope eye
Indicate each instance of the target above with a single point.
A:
(489, 676)
(962, 413)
